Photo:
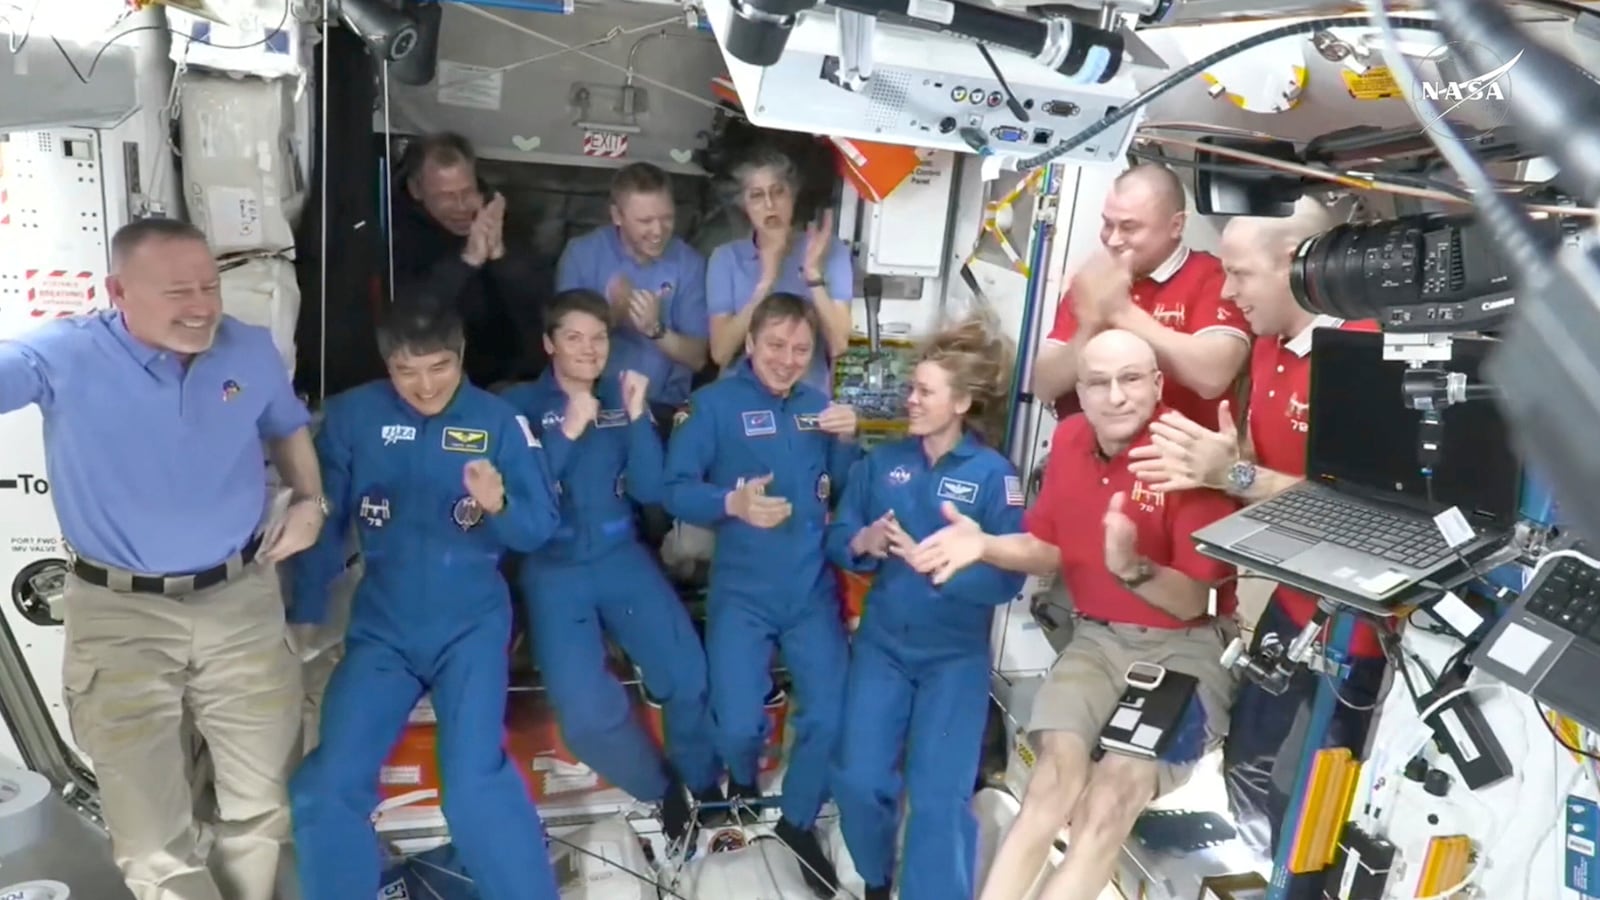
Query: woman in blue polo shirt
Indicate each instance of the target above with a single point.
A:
(778, 257)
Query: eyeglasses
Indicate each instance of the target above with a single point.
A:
(1127, 381)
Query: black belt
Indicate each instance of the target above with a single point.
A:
(177, 583)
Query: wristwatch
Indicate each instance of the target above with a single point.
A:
(656, 332)
(1241, 475)
(1142, 573)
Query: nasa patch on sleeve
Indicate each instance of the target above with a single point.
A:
(527, 431)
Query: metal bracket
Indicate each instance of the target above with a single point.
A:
(1323, 664)
(855, 49)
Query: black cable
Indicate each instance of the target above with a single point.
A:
(1012, 102)
(1472, 569)
(83, 77)
(1389, 641)
(1310, 26)
(1245, 168)
(1544, 716)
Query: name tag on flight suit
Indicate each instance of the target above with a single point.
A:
(466, 440)
(808, 422)
(611, 418)
(959, 491)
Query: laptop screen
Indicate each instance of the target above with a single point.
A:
(1363, 436)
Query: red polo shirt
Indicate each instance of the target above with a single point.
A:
(1280, 401)
(1184, 294)
(1070, 513)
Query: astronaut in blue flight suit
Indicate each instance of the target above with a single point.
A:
(756, 460)
(595, 574)
(440, 479)
(918, 690)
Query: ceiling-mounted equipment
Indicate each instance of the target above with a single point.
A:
(1028, 84)
(388, 32)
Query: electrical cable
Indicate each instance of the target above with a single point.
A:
(83, 77)
(616, 865)
(1472, 568)
(1396, 184)
(740, 805)
(575, 48)
(1150, 94)
(12, 43)
(1505, 221)
(1387, 184)
(1544, 717)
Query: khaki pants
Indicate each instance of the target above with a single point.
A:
(134, 664)
(1082, 690)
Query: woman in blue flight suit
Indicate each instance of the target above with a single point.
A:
(594, 573)
(918, 688)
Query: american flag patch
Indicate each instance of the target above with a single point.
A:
(1013, 490)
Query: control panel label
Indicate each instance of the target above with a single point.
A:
(1583, 831)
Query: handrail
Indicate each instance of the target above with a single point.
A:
(28, 717)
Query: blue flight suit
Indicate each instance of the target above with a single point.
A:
(594, 573)
(678, 276)
(433, 614)
(919, 673)
(768, 585)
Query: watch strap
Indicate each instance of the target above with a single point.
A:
(1142, 574)
(1241, 476)
(318, 500)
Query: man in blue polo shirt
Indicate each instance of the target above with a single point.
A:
(655, 282)
(155, 416)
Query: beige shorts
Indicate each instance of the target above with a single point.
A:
(1083, 687)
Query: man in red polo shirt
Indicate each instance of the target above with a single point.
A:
(1143, 595)
(1263, 749)
(1147, 282)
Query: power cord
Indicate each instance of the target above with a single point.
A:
(106, 45)
(1150, 94)
(1472, 568)
(1544, 719)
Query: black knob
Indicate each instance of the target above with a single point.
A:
(1437, 782)
(1417, 769)
(947, 124)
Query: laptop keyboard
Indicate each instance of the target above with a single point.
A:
(1570, 598)
(1399, 538)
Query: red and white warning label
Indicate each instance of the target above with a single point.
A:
(58, 293)
(608, 144)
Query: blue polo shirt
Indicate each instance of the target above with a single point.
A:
(679, 276)
(735, 269)
(152, 468)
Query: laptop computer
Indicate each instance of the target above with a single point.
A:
(1361, 524)
(1547, 645)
